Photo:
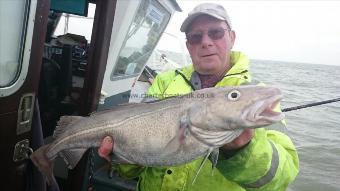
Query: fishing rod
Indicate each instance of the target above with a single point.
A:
(310, 105)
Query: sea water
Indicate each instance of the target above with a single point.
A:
(316, 130)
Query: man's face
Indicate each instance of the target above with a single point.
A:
(209, 55)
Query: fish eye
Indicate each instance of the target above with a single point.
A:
(234, 95)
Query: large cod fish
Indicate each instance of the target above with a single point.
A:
(167, 132)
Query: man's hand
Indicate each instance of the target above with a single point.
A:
(106, 148)
(240, 141)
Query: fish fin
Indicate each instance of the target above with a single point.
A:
(115, 160)
(202, 163)
(213, 157)
(53, 184)
(150, 100)
(172, 146)
(44, 165)
(63, 122)
(72, 156)
(119, 160)
(179, 139)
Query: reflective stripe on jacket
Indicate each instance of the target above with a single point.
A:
(268, 162)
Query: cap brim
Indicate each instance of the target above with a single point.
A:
(192, 17)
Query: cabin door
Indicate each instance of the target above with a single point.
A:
(22, 35)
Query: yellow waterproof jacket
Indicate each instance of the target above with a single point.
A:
(269, 162)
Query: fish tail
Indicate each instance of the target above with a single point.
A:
(53, 184)
(44, 164)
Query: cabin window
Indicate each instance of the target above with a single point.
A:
(75, 24)
(142, 37)
(169, 54)
(13, 20)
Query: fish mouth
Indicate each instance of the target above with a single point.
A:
(263, 111)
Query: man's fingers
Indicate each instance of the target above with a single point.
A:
(106, 148)
(244, 138)
(241, 140)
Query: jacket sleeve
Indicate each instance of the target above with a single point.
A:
(128, 171)
(269, 162)
(156, 89)
(160, 84)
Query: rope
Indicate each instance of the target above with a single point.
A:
(310, 105)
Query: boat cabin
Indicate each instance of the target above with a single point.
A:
(69, 57)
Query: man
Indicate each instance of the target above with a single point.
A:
(256, 160)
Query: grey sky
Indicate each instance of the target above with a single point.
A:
(297, 31)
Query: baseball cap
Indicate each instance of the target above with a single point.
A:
(212, 9)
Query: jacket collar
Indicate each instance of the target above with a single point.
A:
(239, 62)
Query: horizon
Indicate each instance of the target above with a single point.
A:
(251, 59)
(312, 36)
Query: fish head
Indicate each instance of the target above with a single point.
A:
(229, 108)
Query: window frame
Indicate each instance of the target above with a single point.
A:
(114, 77)
(25, 51)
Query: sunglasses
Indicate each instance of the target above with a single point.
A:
(214, 34)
